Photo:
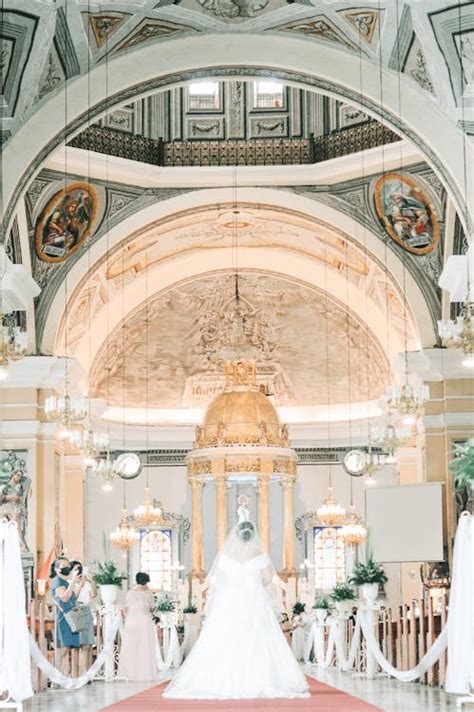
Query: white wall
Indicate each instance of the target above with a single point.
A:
(169, 485)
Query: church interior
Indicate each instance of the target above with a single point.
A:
(236, 275)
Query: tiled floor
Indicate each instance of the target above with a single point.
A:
(389, 695)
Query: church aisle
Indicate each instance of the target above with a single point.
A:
(388, 695)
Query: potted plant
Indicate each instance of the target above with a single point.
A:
(322, 606)
(298, 608)
(342, 595)
(462, 466)
(368, 578)
(163, 611)
(109, 579)
(190, 609)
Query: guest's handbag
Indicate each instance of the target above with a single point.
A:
(77, 619)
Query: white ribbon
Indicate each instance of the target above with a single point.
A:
(74, 683)
(174, 654)
(347, 664)
(15, 665)
(429, 659)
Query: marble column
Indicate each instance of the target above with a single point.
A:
(221, 509)
(264, 509)
(197, 553)
(287, 482)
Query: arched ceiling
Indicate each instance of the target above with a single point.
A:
(414, 63)
(183, 245)
(311, 351)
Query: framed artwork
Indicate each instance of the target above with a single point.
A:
(407, 213)
(66, 222)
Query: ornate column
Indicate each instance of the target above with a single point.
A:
(287, 482)
(196, 530)
(264, 508)
(221, 508)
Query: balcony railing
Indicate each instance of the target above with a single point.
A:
(253, 152)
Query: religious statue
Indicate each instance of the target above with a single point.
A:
(221, 434)
(14, 502)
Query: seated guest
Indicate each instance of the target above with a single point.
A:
(138, 651)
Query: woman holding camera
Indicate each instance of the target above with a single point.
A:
(65, 586)
(85, 592)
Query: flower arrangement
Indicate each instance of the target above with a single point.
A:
(343, 591)
(163, 604)
(370, 572)
(190, 609)
(462, 466)
(323, 603)
(298, 608)
(107, 574)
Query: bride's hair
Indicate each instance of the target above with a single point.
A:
(246, 531)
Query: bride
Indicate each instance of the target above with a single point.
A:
(241, 652)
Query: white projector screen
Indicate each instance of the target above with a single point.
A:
(406, 522)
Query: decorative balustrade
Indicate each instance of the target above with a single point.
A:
(352, 139)
(253, 152)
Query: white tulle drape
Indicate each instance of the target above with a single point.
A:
(173, 656)
(457, 635)
(460, 670)
(15, 664)
(74, 683)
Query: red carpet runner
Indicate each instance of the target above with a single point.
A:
(323, 699)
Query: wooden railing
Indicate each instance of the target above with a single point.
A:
(252, 152)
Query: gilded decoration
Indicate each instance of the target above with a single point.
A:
(407, 213)
(66, 222)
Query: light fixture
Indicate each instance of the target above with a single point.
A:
(407, 399)
(353, 531)
(91, 444)
(147, 513)
(104, 467)
(125, 536)
(330, 513)
(67, 411)
(459, 333)
(370, 480)
(13, 342)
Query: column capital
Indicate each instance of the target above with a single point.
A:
(220, 478)
(196, 483)
(287, 481)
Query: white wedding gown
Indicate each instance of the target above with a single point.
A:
(241, 652)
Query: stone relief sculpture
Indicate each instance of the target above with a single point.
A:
(233, 8)
(14, 491)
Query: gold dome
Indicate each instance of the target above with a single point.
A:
(241, 415)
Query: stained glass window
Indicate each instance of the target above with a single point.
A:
(156, 557)
(329, 557)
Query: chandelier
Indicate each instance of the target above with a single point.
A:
(91, 444)
(354, 530)
(330, 513)
(147, 513)
(13, 343)
(389, 439)
(407, 399)
(374, 461)
(67, 411)
(104, 467)
(459, 333)
(125, 536)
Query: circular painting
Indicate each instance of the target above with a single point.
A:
(66, 222)
(407, 213)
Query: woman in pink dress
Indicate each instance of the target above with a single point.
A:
(138, 651)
